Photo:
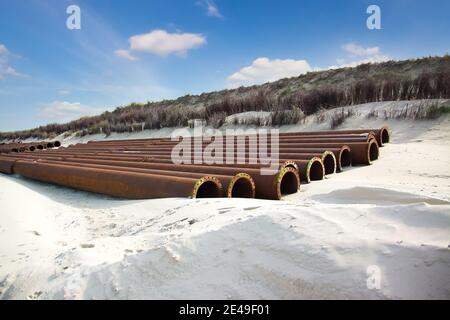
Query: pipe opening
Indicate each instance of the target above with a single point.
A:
(242, 186)
(346, 158)
(57, 144)
(290, 182)
(290, 164)
(373, 151)
(316, 170)
(40, 147)
(385, 136)
(208, 189)
(14, 150)
(49, 145)
(329, 163)
(32, 148)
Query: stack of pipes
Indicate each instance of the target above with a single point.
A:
(29, 146)
(144, 168)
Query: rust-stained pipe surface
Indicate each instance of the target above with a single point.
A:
(119, 183)
(237, 181)
(239, 184)
(310, 170)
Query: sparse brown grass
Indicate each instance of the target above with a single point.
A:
(287, 99)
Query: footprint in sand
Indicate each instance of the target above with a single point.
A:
(251, 208)
(87, 245)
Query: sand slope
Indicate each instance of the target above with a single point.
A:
(393, 216)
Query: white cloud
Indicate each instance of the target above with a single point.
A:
(125, 54)
(265, 70)
(372, 59)
(3, 49)
(357, 50)
(63, 92)
(162, 43)
(63, 111)
(357, 55)
(5, 68)
(211, 8)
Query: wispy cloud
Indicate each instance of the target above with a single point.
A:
(264, 70)
(125, 54)
(5, 69)
(357, 55)
(212, 10)
(162, 43)
(3, 49)
(63, 111)
(63, 92)
(357, 50)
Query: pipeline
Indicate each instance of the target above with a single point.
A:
(309, 170)
(245, 183)
(240, 185)
(123, 184)
(124, 146)
(143, 168)
(32, 146)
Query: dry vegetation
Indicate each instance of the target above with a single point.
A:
(289, 100)
(422, 111)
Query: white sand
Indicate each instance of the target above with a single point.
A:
(58, 243)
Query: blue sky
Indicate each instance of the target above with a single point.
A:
(139, 50)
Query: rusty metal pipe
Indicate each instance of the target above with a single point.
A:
(282, 141)
(6, 165)
(240, 185)
(327, 157)
(274, 186)
(310, 170)
(123, 184)
(155, 143)
(142, 158)
(382, 134)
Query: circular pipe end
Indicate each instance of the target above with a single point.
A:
(207, 187)
(315, 170)
(345, 158)
(289, 164)
(384, 136)
(329, 162)
(373, 151)
(56, 144)
(287, 182)
(241, 186)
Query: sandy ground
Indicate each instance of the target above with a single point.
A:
(386, 224)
